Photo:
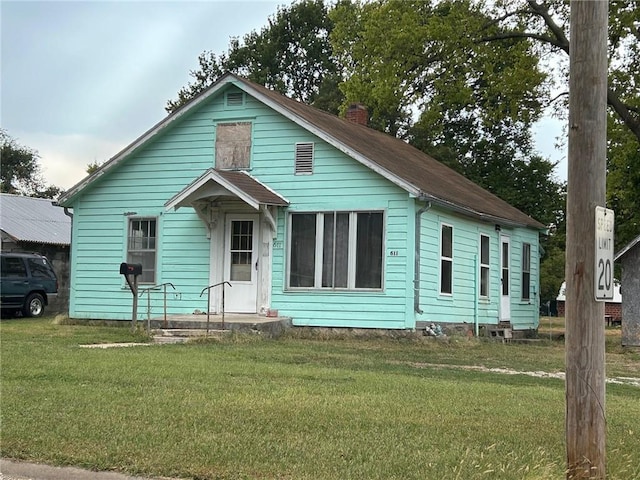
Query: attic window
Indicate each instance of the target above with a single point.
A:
(304, 158)
(235, 99)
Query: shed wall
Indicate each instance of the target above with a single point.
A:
(631, 297)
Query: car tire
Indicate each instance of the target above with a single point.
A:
(34, 306)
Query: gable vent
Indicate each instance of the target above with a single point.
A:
(235, 99)
(304, 158)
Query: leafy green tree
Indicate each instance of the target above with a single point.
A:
(547, 25)
(20, 171)
(291, 55)
(421, 70)
(428, 76)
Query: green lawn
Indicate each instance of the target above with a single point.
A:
(297, 408)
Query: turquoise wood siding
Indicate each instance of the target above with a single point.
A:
(141, 185)
(524, 312)
(465, 305)
(337, 183)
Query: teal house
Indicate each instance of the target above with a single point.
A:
(319, 218)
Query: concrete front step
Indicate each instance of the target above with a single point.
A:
(181, 335)
(198, 324)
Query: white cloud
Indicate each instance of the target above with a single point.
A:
(64, 158)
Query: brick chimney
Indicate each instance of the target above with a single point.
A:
(357, 113)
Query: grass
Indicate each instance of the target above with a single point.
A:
(296, 408)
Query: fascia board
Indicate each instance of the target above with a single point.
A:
(210, 175)
(67, 198)
(628, 247)
(472, 213)
(411, 189)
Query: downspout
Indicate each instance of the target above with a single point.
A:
(416, 268)
(70, 215)
(476, 295)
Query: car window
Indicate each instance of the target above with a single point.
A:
(40, 268)
(13, 267)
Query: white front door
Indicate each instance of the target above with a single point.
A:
(241, 263)
(505, 275)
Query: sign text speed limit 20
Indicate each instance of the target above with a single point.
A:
(603, 287)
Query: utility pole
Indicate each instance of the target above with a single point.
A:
(586, 188)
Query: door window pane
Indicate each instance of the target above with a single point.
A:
(505, 268)
(241, 250)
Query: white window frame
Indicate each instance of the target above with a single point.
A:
(484, 267)
(445, 259)
(130, 251)
(352, 251)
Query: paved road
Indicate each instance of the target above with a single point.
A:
(11, 470)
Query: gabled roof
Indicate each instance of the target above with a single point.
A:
(213, 183)
(627, 248)
(28, 219)
(412, 170)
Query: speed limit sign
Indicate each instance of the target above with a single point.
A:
(603, 287)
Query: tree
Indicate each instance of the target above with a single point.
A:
(20, 172)
(291, 55)
(421, 70)
(547, 24)
(427, 75)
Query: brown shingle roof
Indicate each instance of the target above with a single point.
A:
(233, 183)
(434, 180)
(408, 167)
(252, 187)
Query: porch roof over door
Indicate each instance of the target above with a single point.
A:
(225, 183)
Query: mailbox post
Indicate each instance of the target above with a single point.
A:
(132, 270)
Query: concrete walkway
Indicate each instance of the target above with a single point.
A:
(13, 470)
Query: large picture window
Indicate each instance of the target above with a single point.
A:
(336, 250)
(446, 259)
(141, 247)
(526, 271)
(484, 265)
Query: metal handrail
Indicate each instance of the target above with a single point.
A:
(206, 289)
(148, 291)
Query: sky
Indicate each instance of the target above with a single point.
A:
(81, 80)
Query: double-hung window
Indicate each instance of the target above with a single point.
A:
(526, 271)
(484, 265)
(446, 259)
(142, 245)
(336, 250)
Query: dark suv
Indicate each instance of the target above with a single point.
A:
(28, 281)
